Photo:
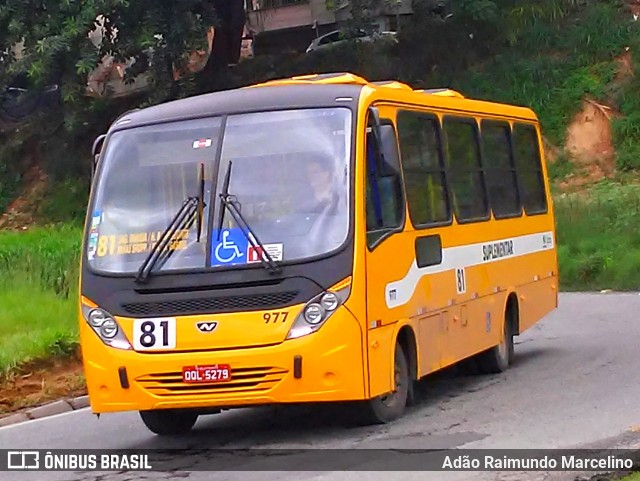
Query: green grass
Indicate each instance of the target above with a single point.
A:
(631, 477)
(34, 324)
(626, 128)
(561, 168)
(599, 239)
(38, 294)
(44, 256)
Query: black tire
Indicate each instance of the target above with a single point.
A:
(388, 407)
(169, 422)
(412, 393)
(500, 357)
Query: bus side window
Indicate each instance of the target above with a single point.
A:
(465, 170)
(528, 166)
(423, 168)
(385, 201)
(500, 169)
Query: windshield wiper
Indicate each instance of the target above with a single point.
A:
(231, 204)
(201, 205)
(191, 210)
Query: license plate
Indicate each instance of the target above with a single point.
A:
(206, 374)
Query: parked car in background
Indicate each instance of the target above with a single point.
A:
(339, 37)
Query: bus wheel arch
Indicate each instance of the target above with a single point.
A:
(512, 313)
(391, 406)
(407, 340)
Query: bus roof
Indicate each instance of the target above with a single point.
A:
(317, 90)
(398, 91)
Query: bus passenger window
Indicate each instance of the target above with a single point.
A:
(500, 170)
(423, 168)
(464, 169)
(529, 168)
(385, 206)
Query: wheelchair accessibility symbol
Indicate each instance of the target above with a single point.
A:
(231, 249)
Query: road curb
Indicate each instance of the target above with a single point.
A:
(79, 402)
(44, 411)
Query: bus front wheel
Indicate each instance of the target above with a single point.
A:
(169, 422)
(388, 407)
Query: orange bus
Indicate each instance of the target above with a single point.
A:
(316, 239)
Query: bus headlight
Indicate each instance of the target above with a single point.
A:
(330, 301)
(313, 314)
(105, 326)
(109, 329)
(97, 317)
(316, 312)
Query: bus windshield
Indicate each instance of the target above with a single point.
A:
(290, 181)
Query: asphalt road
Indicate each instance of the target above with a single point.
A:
(575, 382)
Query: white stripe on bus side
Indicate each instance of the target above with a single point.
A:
(399, 292)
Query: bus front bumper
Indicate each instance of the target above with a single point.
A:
(331, 369)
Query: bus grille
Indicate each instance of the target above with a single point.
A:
(244, 380)
(209, 305)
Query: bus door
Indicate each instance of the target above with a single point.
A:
(387, 256)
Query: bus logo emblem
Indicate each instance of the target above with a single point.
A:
(202, 143)
(207, 326)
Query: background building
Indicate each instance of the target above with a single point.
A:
(290, 25)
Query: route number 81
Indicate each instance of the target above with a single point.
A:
(154, 334)
(461, 281)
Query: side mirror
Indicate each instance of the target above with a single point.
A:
(97, 145)
(389, 145)
(375, 116)
(96, 149)
(386, 144)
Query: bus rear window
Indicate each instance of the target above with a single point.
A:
(529, 168)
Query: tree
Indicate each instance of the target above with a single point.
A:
(446, 37)
(48, 40)
(48, 48)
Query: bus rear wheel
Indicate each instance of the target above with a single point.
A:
(388, 407)
(499, 358)
(169, 422)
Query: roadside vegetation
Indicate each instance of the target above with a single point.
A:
(554, 65)
(38, 293)
(598, 238)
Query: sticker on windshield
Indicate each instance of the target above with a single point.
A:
(96, 219)
(93, 235)
(202, 143)
(274, 250)
(137, 243)
(229, 249)
(93, 245)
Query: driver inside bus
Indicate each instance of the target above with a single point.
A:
(319, 171)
